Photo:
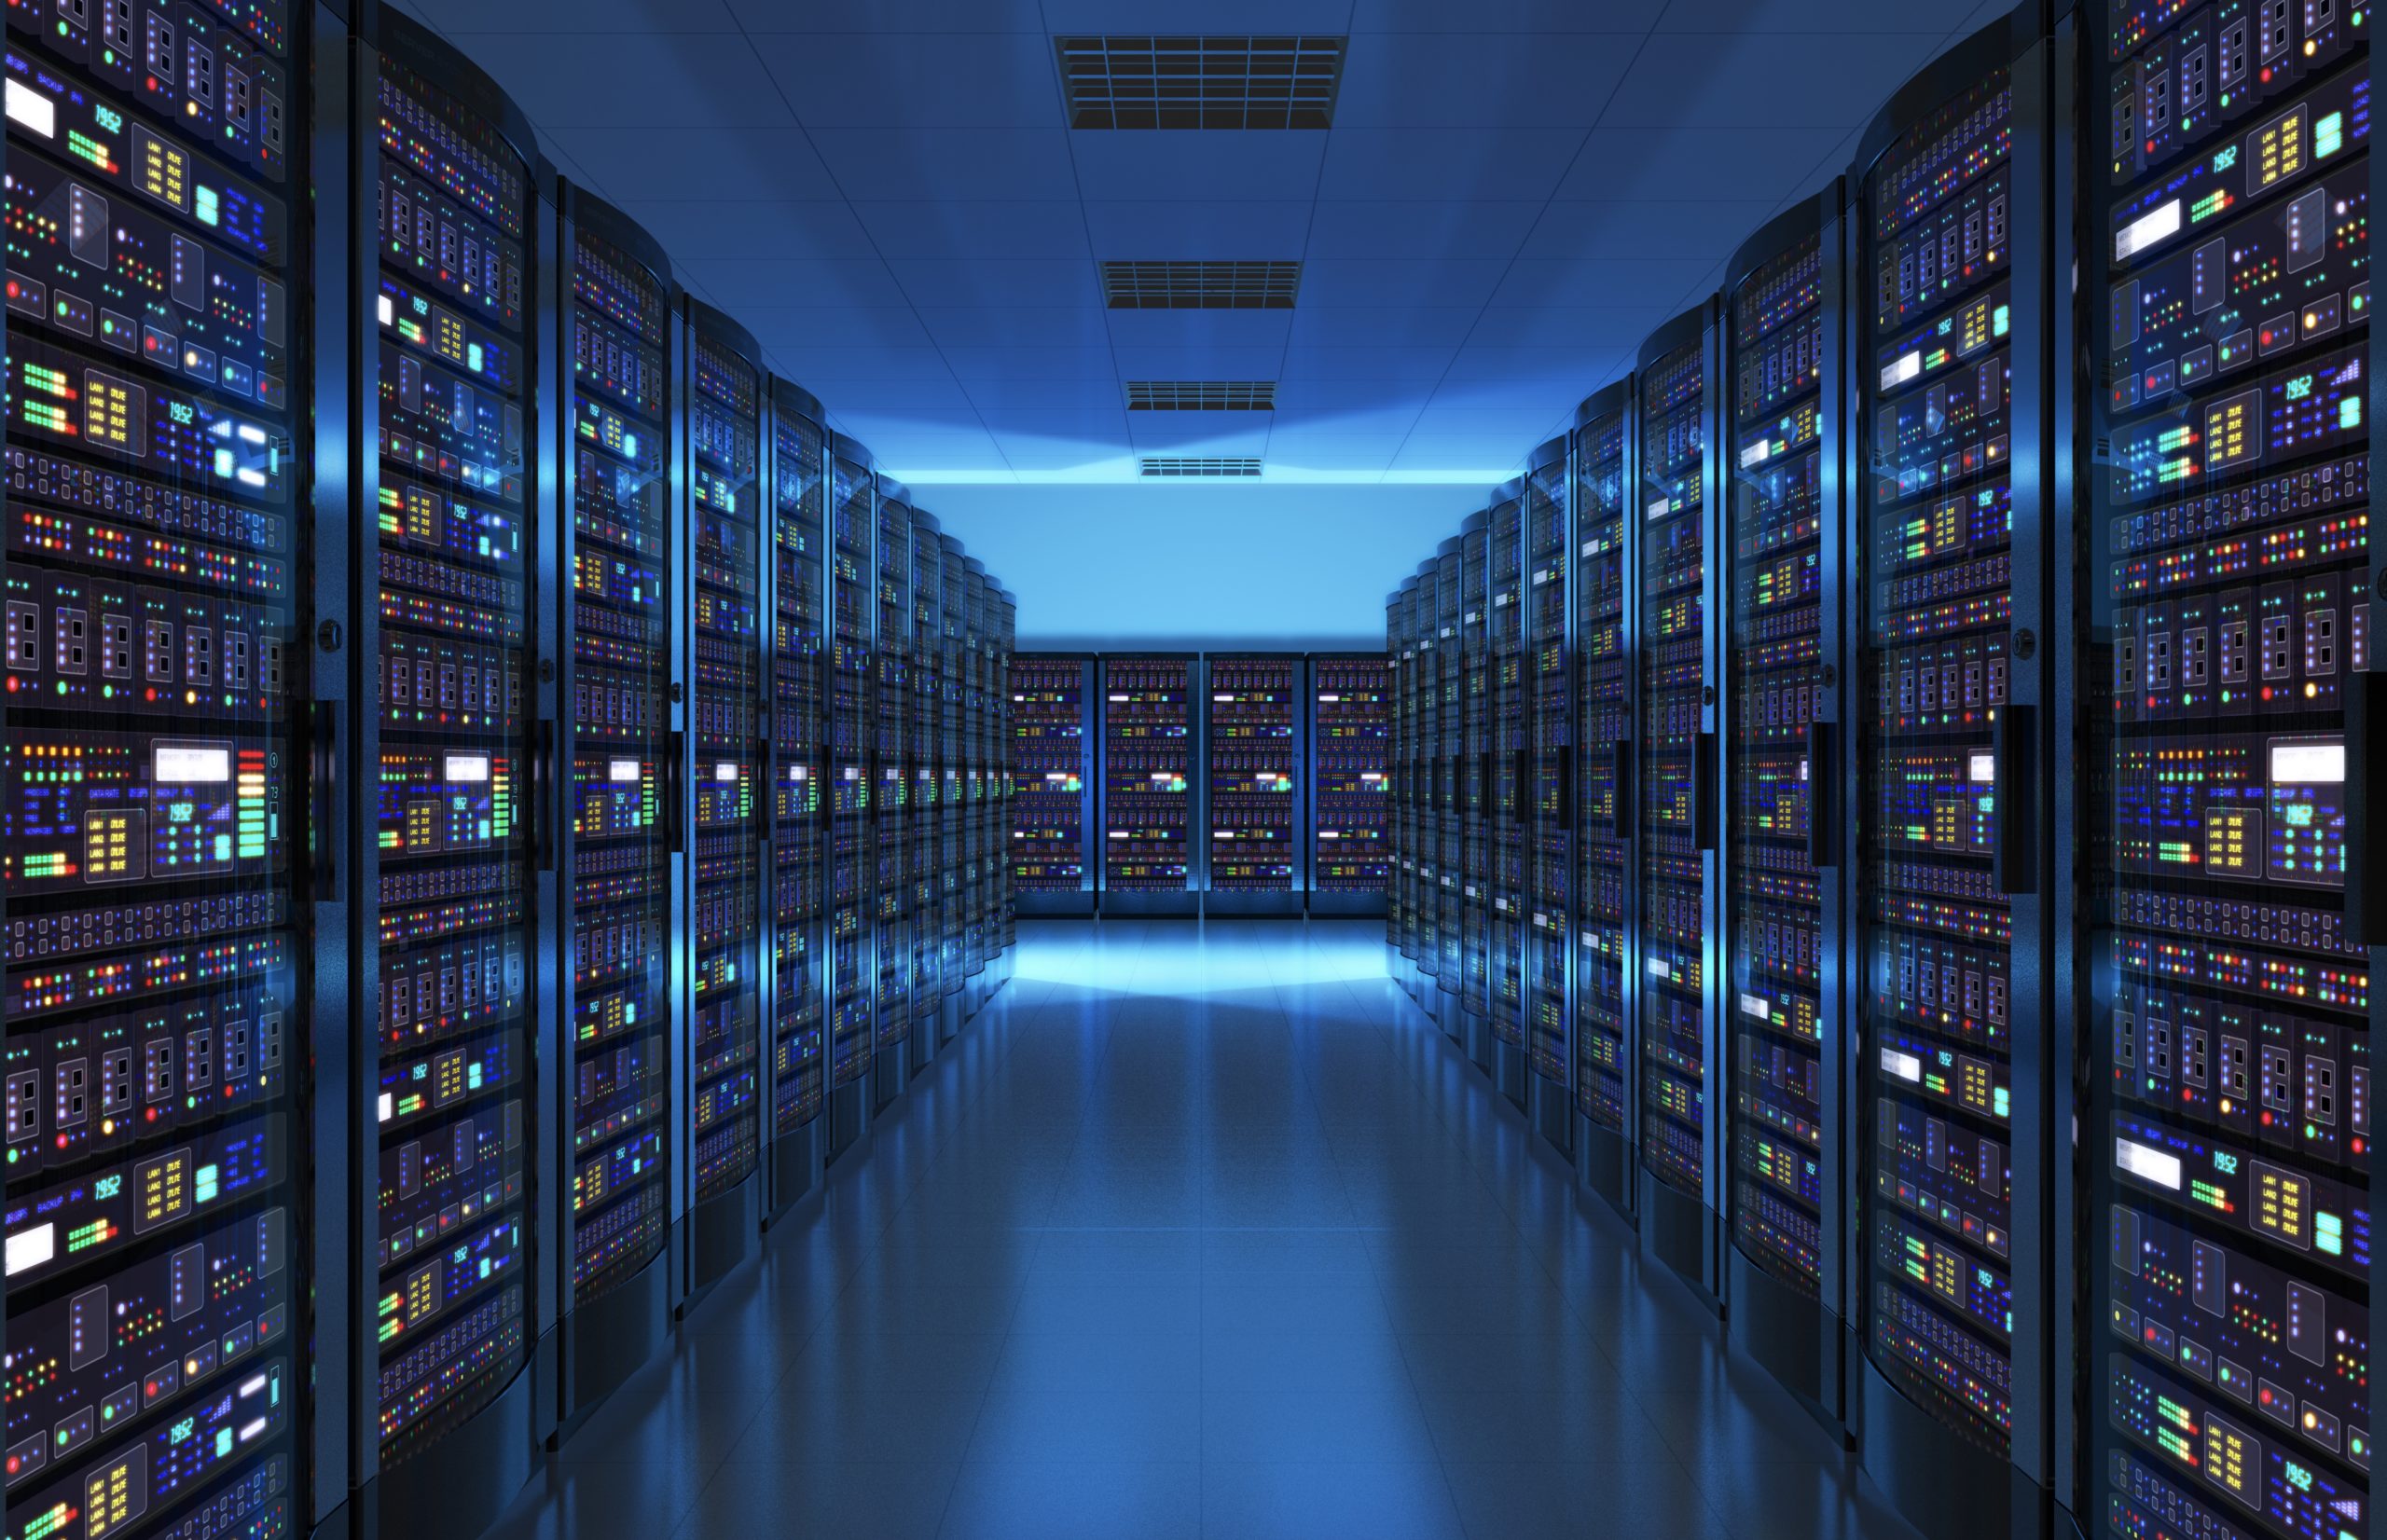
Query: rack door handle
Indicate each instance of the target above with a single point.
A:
(323, 768)
(1621, 789)
(2014, 779)
(1706, 826)
(1823, 803)
(545, 809)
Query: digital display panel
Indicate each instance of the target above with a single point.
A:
(1255, 773)
(1050, 773)
(1772, 892)
(1934, 1052)
(617, 320)
(1603, 720)
(2232, 1106)
(798, 766)
(1147, 746)
(1351, 748)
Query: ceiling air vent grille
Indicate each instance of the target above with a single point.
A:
(1201, 395)
(1169, 465)
(1201, 82)
(1201, 285)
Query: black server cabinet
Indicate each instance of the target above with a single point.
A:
(952, 794)
(1546, 778)
(1052, 771)
(1468, 730)
(622, 775)
(799, 987)
(892, 793)
(725, 467)
(1400, 835)
(1449, 816)
(2223, 682)
(1421, 938)
(977, 767)
(1962, 1395)
(1503, 752)
(1607, 1107)
(1351, 776)
(444, 628)
(1254, 769)
(1787, 1062)
(159, 559)
(1147, 768)
(1005, 898)
(1677, 782)
(852, 903)
(924, 863)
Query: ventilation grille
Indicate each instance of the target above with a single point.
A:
(1167, 465)
(1201, 395)
(1201, 285)
(1201, 82)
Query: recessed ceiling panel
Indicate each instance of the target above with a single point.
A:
(1279, 80)
(972, 228)
(1481, 81)
(1429, 165)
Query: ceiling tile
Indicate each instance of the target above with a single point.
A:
(1001, 326)
(740, 283)
(1715, 17)
(825, 16)
(1217, 17)
(762, 165)
(1653, 165)
(1450, 281)
(805, 360)
(1417, 229)
(1366, 325)
(997, 282)
(891, 397)
(934, 164)
(974, 365)
(1421, 364)
(1199, 166)
(738, 227)
(569, 78)
(1199, 434)
(1458, 80)
(1736, 82)
(1703, 228)
(1030, 453)
(1423, 164)
(1186, 229)
(998, 394)
(935, 80)
(462, 18)
(1169, 360)
(1506, 16)
(1195, 333)
(833, 325)
(1592, 281)
(956, 228)
(1567, 327)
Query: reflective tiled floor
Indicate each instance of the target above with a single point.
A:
(1199, 1232)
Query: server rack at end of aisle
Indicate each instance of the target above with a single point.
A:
(953, 795)
(1447, 815)
(1959, 1393)
(1253, 765)
(623, 777)
(1786, 1069)
(1050, 764)
(1149, 747)
(725, 467)
(798, 738)
(925, 861)
(2219, 640)
(1351, 774)
(1607, 829)
(1678, 782)
(1467, 732)
(977, 849)
(890, 914)
(1503, 775)
(1547, 788)
(852, 972)
(999, 819)
(452, 1340)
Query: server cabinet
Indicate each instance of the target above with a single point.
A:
(892, 789)
(724, 469)
(1956, 1068)
(1146, 767)
(1000, 738)
(160, 1130)
(624, 782)
(1425, 802)
(1052, 771)
(1350, 735)
(1502, 773)
(1251, 784)
(798, 741)
(953, 798)
(1786, 1074)
(1471, 812)
(2224, 680)
(1682, 1192)
(1401, 848)
(977, 847)
(1607, 1107)
(1450, 815)
(1548, 780)
(852, 902)
(924, 863)
(446, 626)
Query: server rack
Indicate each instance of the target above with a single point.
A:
(953, 799)
(925, 862)
(624, 779)
(1148, 747)
(1351, 777)
(1962, 1394)
(2218, 634)
(1607, 988)
(798, 738)
(1400, 868)
(891, 932)
(977, 848)
(445, 622)
(725, 467)
(1787, 1111)
(999, 736)
(1548, 781)
(852, 966)
(1421, 937)
(1681, 1168)
(1253, 777)
(1052, 771)
(1449, 813)
(1473, 832)
(1503, 775)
